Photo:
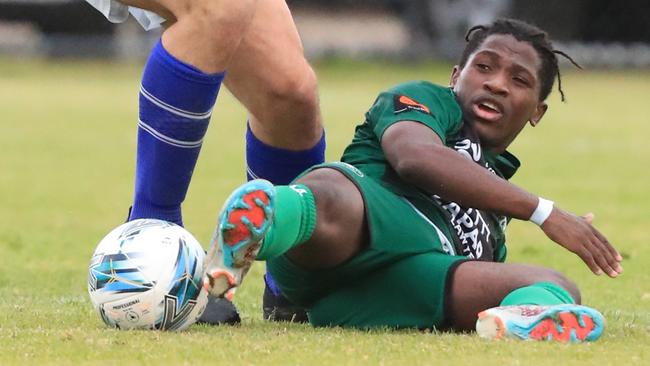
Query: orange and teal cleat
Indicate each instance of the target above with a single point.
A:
(243, 222)
(564, 323)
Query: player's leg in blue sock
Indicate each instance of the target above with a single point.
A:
(176, 102)
(279, 166)
(179, 87)
(275, 83)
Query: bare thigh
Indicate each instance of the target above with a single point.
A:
(477, 286)
(259, 46)
(202, 33)
(341, 230)
(271, 77)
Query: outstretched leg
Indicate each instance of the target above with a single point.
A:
(520, 301)
(319, 223)
(476, 286)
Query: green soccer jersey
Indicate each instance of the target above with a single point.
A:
(475, 234)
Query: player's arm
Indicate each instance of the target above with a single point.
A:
(419, 157)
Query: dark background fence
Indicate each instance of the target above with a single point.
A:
(434, 27)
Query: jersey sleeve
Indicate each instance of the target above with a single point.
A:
(427, 103)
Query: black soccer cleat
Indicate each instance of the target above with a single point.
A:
(278, 308)
(219, 311)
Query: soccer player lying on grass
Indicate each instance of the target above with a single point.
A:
(408, 230)
(202, 39)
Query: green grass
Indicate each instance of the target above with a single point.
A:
(67, 146)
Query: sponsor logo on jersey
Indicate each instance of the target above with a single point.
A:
(402, 103)
(473, 228)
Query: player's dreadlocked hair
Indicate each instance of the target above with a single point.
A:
(523, 32)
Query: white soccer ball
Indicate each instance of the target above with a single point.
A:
(146, 274)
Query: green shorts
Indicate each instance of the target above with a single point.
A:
(399, 281)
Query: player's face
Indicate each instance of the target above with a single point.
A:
(498, 90)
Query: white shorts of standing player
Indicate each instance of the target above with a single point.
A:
(116, 12)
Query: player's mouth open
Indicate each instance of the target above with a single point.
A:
(487, 110)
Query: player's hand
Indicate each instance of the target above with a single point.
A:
(578, 235)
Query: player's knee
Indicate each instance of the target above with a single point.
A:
(338, 200)
(298, 87)
(340, 232)
(296, 94)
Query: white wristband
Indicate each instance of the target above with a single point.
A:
(542, 212)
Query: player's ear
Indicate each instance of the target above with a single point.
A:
(455, 72)
(538, 114)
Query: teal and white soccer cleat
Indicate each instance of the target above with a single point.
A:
(243, 222)
(564, 323)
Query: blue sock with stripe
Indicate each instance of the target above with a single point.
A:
(280, 167)
(176, 101)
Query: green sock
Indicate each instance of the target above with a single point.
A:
(293, 223)
(540, 293)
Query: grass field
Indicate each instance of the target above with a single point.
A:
(67, 143)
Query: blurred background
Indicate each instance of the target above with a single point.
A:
(602, 33)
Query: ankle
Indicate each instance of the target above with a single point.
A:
(294, 221)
